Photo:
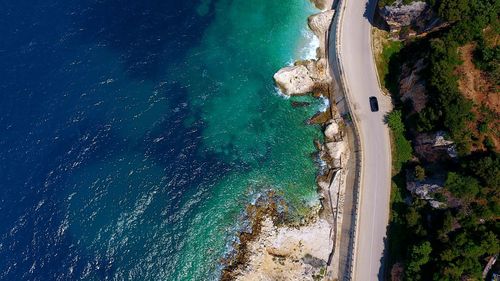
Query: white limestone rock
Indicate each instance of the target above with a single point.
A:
(288, 253)
(320, 23)
(337, 150)
(294, 80)
(332, 130)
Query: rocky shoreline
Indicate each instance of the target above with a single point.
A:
(273, 249)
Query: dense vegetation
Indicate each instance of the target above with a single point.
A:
(382, 3)
(488, 59)
(453, 241)
(448, 108)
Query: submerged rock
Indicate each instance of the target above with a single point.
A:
(300, 103)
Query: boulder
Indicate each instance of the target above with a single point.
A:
(337, 151)
(440, 139)
(436, 204)
(320, 23)
(423, 189)
(332, 130)
(294, 80)
(304, 77)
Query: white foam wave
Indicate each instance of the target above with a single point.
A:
(310, 45)
(324, 105)
(278, 92)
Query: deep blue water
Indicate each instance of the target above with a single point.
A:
(74, 76)
(111, 154)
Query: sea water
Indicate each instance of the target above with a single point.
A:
(134, 133)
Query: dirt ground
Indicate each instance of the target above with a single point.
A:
(476, 86)
(474, 83)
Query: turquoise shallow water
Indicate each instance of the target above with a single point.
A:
(137, 132)
(247, 124)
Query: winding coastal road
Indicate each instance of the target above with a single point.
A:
(360, 81)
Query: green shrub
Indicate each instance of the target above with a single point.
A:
(395, 121)
(402, 147)
(420, 173)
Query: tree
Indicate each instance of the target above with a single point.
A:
(462, 186)
(427, 119)
(453, 10)
(419, 256)
(488, 170)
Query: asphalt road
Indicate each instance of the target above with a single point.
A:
(361, 83)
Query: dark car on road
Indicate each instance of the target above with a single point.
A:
(374, 104)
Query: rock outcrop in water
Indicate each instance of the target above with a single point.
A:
(311, 76)
(294, 80)
(305, 77)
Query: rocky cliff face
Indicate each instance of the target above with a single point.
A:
(412, 85)
(416, 17)
(434, 147)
